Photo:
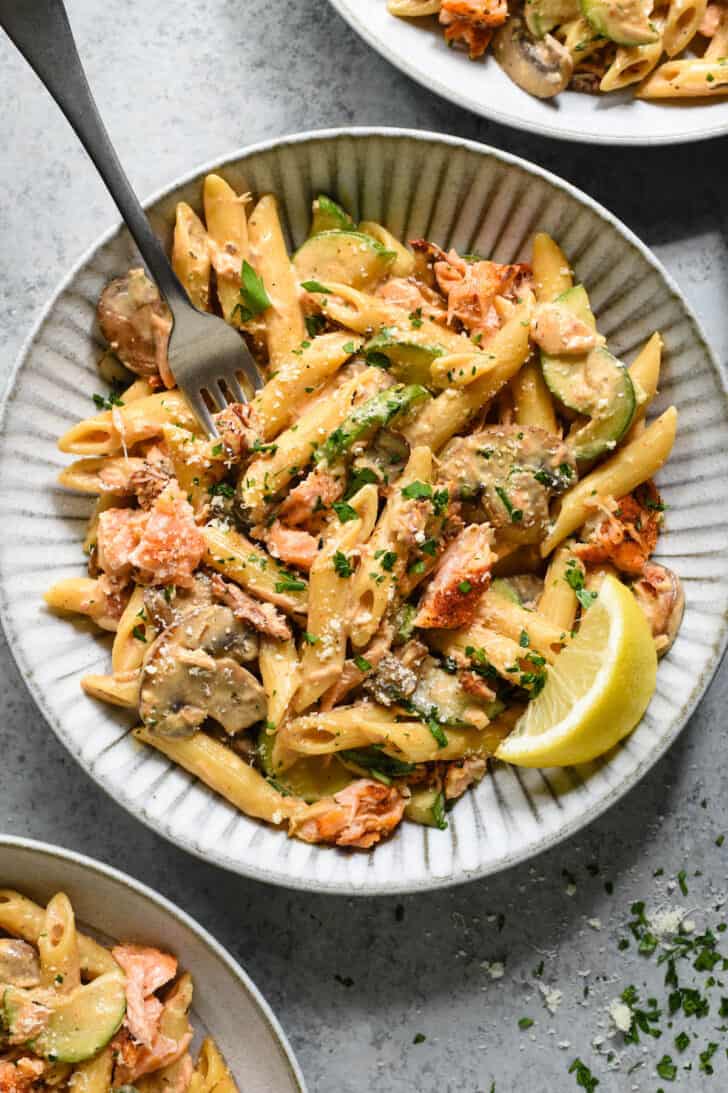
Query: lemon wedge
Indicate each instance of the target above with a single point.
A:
(597, 690)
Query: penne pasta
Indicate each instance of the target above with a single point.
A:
(284, 324)
(227, 232)
(191, 256)
(60, 963)
(23, 918)
(558, 602)
(120, 429)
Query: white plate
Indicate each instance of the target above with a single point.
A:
(418, 48)
(460, 194)
(226, 1003)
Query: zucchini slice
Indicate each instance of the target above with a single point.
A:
(426, 806)
(543, 15)
(596, 385)
(310, 779)
(625, 22)
(329, 216)
(82, 1023)
(406, 360)
(349, 257)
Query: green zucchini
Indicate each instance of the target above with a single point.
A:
(625, 22)
(595, 385)
(310, 779)
(365, 420)
(329, 216)
(406, 360)
(348, 257)
(426, 806)
(81, 1024)
(543, 15)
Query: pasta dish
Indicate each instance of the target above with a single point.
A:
(335, 612)
(81, 1017)
(666, 49)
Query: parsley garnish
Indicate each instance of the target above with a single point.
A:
(440, 499)
(465, 587)
(139, 633)
(681, 880)
(315, 286)
(259, 446)
(362, 664)
(253, 296)
(107, 403)
(417, 490)
(574, 577)
(362, 476)
(525, 1022)
(437, 731)
(345, 511)
(314, 324)
(221, 489)
(438, 812)
(388, 561)
(415, 318)
(524, 641)
(287, 583)
(584, 1076)
(516, 515)
(419, 1038)
(666, 1068)
(310, 639)
(342, 565)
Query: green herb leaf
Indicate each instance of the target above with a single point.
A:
(315, 286)
(584, 1076)
(345, 511)
(290, 584)
(140, 633)
(525, 1022)
(417, 490)
(437, 731)
(438, 812)
(253, 296)
(362, 664)
(342, 565)
(666, 1068)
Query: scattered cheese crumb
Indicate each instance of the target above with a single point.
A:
(552, 997)
(621, 1015)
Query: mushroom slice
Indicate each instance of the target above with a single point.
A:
(511, 472)
(541, 66)
(193, 671)
(660, 595)
(136, 323)
(19, 964)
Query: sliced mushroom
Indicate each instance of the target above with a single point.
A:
(136, 323)
(542, 67)
(193, 671)
(166, 606)
(19, 964)
(660, 595)
(509, 473)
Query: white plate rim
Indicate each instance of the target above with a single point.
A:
(570, 827)
(486, 110)
(93, 866)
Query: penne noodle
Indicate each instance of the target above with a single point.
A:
(284, 326)
(22, 918)
(630, 65)
(404, 263)
(623, 472)
(227, 230)
(551, 271)
(191, 256)
(532, 399)
(447, 414)
(231, 554)
(120, 689)
(134, 634)
(692, 78)
(210, 1071)
(93, 1075)
(225, 773)
(60, 964)
(280, 672)
(120, 429)
(81, 596)
(276, 405)
(681, 24)
(558, 602)
(529, 628)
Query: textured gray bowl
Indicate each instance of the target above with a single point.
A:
(226, 1003)
(457, 193)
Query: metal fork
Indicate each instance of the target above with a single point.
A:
(205, 354)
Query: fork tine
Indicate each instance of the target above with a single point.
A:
(233, 384)
(199, 408)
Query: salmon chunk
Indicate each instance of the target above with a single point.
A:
(359, 815)
(461, 577)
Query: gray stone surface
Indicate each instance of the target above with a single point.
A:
(182, 83)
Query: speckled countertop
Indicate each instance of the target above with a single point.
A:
(355, 982)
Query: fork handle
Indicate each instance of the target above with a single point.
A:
(41, 32)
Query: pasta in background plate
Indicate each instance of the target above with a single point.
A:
(81, 1017)
(334, 613)
(669, 49)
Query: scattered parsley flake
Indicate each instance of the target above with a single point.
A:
(342, 565)
(345, 511)
(362, 664)
(417, 490)
(315, 286)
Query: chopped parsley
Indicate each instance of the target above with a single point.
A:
(315, 286)
(139, 633)
(584, 1076)
(666, 1068)
(361, 476)
(464, 587)
(362, 664)
(419, 1038)
(438, 812)
(440, 499)
(315, 324)
(253, 297)
(525, 1022)
(288, 583)
(310, 639)
(389, 559)
(417, 490)
(524, 641)
(108, 402)
(342, 565)
(437, 731)
(515, 514)
(221, 489)
(574, 577)
(682, 881)
(345, 511)
(415, 318)
(682, 1041)
(259, 446)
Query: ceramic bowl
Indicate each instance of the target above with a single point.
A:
(417, 47)
(475, 199)
(113, 907)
